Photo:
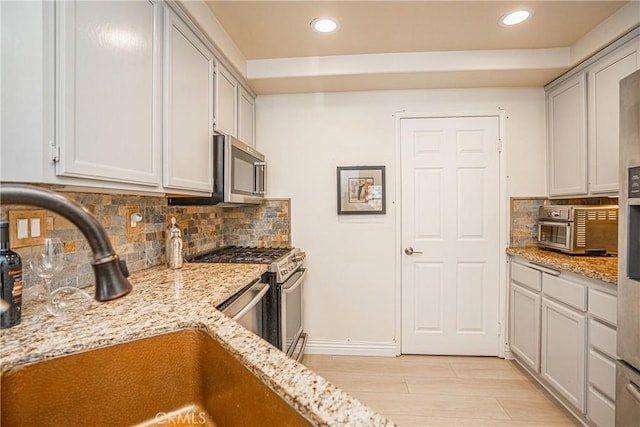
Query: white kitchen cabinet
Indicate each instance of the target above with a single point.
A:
(188, 108)
(582, 121)
(603, 80)
(601, 365)
(108, 105)
(562, 328)
(524, 327)
(563, 351)
(567, 137)
(226, 101)
(246, 117)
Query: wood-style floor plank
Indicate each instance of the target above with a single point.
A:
(443, 390)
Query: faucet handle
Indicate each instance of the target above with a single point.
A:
(123, 266)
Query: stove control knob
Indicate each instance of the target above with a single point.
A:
(300, 256)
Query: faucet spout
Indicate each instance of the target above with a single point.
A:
(109, 272)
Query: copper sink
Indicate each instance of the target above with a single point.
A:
(181, 378)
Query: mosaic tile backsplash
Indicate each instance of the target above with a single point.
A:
(203, 228)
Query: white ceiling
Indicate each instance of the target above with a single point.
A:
(267, 31)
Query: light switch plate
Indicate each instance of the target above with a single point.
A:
(27, 227)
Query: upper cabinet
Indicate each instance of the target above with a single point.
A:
(114, 95)
(234, 107)
(567, 139)
(582, 122)
(226, 103)
(246, 118)
(603, 79)
(109, 104)
(188, 108)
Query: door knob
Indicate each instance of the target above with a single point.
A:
(410, 251)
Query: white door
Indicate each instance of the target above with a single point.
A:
(450, 217)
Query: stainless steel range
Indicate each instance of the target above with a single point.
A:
(282, 317)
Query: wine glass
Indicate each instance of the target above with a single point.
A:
(68, 301)
(48, 262)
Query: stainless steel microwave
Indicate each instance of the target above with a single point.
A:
(240, 175)
(578, 229)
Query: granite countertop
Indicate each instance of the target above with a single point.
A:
(603, 268)
(164, 301)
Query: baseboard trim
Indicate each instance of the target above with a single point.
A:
(351, 348)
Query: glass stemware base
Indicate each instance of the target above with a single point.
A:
(68, 301)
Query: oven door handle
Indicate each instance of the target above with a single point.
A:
(289, 289)
(254, 301)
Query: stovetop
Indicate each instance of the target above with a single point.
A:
(283, 262)
(243, 255)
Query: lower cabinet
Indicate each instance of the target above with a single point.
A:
(562, 328)
(525, 325)
(601, 373)
(563, 351)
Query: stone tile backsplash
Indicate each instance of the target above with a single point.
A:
(524, 214)
(203, 228)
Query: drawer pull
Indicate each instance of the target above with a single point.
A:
(543, 268)
(634, 391)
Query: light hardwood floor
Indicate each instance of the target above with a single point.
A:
(443, 390)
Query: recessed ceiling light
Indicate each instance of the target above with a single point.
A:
(515, 17)
(324, 25)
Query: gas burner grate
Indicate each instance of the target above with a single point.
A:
(242, 254)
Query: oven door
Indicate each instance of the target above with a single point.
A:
(293, 338)
(555, 235)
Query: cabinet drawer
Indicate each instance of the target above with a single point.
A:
(603, 306)
(570, 293)
(603, 338)
(602, 374)
(600, 410)
(525, 276)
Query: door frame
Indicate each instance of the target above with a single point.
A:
(504, 218)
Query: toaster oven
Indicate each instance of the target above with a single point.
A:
(578, 229)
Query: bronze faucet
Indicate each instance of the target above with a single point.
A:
(110, 272)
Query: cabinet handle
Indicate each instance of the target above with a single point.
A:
(543, 268)
(634, 391)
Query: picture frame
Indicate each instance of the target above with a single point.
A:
(361, 190)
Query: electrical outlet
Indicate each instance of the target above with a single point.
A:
(132, 225)
(27, 227)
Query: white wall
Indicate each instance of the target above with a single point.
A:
(350, 291)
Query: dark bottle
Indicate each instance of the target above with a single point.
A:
(11, 290)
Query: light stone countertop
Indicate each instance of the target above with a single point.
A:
(164, 301)
(603, 268)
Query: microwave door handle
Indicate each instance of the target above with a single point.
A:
(264, 179)
(259, 169)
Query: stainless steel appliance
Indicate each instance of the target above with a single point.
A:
(246, 307)
(240, 175)
(579, 229)
(281, 308)
(286, 302)
(628, 336)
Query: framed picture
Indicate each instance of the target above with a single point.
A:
(361, 190)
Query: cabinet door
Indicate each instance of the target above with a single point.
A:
(524, 325)
(108, 103)
(226, 102)
(563, 351)
(604, 116)
(188, 108)
(567, 139)
(246, 118)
